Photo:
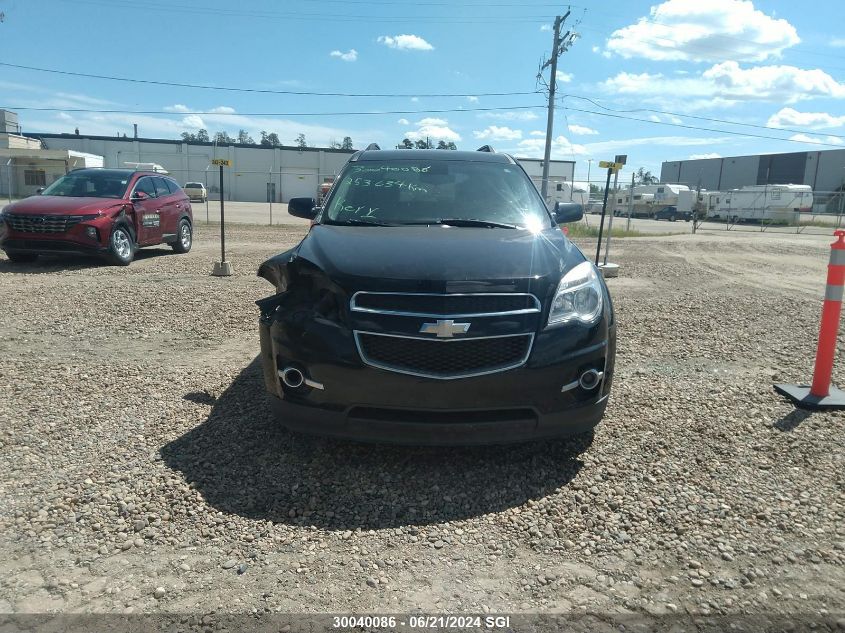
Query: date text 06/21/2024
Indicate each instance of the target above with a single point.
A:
(431, 622)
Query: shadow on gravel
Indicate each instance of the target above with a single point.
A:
(792, 420)
(57, 263)
(243, 462)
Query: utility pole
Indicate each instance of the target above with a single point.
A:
(559, 46)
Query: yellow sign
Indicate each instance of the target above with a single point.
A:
(606, 164)
(221, 161)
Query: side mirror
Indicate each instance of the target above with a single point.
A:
(39, 191)
(567, 212)
(303, 208)
(139, 196)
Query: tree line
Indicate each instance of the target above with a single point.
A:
(425, 143)
(270, 139)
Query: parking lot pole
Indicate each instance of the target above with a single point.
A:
(222, 221)
(630, 204)
(603, 211)
(610, 221)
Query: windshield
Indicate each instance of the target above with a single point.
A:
(89, 185)
(193, 185)
(397, 192)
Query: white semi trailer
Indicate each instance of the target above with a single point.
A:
(761, 203)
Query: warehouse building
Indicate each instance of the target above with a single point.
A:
(25, 166)
(258, 174)
(822, 170)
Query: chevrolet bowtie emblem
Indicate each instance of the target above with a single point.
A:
(444, 328)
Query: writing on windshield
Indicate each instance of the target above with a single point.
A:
(415, 192)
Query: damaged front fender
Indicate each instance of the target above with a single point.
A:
(306, 317)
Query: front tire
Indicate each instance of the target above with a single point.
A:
(121, 246)
(21, 258)
(184, 237)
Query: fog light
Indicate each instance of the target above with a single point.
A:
(91, 232)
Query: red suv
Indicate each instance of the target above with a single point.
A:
(106, 212)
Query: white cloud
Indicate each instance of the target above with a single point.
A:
(703, 156)
(497, 133)
(837, 42)
(546, 27)
(404, 122)
(433, 129)
(415, 99)
(432, 121)
(564, 77)
(561, 147)
(472, 99)
(806, 138)
(581, 129)
(788, 117)
(193, 121)
(704, 31)
(667, 118)
(510, 115)
(405, 42)
(727, 82)
(536, 133)
(349, 56)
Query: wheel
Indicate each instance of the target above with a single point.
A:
(121, 246)
(671, 218)
(21, 258)
(184, 237)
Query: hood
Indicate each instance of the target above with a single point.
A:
(62, 205)
(437, 258)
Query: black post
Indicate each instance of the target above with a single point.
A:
(603, 211)
(223, 220)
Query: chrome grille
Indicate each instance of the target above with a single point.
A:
(439, 305)
(43, 223)
(444, 359)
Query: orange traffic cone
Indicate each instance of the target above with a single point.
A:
(821, 394)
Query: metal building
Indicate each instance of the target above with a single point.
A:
(823, 170)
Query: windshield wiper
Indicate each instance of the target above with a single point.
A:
(362, 222)
(475, 222)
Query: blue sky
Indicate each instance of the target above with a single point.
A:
(777, 65)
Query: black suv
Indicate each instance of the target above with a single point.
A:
(436, 301)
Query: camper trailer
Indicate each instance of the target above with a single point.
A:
(651, 198)
(761, 203)
(561, 191)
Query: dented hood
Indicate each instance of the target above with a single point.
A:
(62, 205)
(431, 258)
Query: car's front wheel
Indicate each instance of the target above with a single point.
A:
(21, 258)
(184, 237)
(121, 246)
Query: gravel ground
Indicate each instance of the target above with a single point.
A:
(142, 473)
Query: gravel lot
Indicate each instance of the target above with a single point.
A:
(142, 473)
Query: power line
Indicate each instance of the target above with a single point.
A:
(696, 116)
(321, 17)
(268, 114)
(434, 111)
(702, 129)
(175, 84)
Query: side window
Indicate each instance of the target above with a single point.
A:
(173, 186)
(146, 185)
(161, 187)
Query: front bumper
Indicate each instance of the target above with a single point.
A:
(361, 402)
(52, 246)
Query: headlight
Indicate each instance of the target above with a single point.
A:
(578, 296)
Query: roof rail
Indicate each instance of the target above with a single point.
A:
(486, 148)
(372, 146)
